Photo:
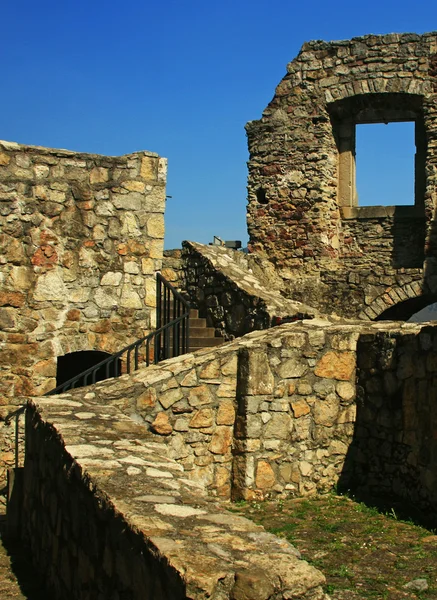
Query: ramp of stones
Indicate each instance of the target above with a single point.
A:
(214, 553)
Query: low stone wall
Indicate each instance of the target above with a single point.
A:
(107, 515)
(238, 293)
(296, 411)
(190, 402)
(275, 412)
(11, 444)
(270, 413)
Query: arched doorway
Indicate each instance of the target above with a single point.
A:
(417, 310)
(74, 363)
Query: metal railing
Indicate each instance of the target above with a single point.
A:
(169, 339)
(171, 307)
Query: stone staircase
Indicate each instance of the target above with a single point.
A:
(201, 336)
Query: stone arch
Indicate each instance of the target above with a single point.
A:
(405, 85)
(395, 296)
(65, 344)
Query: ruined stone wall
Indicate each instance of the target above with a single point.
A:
(81, 239)
(296, 412)
(275, 412)
(394, 449)
(270, 413)
(236, 292)
(303, 214)
(290, 411)
(189, 402)
(107, 514)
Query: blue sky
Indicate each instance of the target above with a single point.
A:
(177, 78)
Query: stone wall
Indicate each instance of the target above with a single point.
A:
(394, 449)
(189, 402)
(173, 268)
(81, 239)
(11, 444)
(107, 514)
(275, 412)
(290, 411)
(303, 212)
(296, 412)
(236, 292)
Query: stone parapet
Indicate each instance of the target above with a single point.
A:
(290, 411)
(238, 292)
(107, 514)
(275, 412)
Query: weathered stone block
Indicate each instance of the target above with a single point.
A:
(336, 365)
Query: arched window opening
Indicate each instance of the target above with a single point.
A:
(74, 363)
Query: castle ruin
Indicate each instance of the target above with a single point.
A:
(124, 483)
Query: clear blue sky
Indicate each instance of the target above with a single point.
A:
(177, 78)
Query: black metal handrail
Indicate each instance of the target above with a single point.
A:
(170, 307)
(169, 339)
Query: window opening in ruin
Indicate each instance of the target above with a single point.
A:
(384, 158)
(401, 116)
(261, 196)
(74, 363)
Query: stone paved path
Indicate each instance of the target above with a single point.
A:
(21, 582)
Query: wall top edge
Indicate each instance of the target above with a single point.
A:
(378, 37)
(61, 152)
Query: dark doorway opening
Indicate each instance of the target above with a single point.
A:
(74, 363)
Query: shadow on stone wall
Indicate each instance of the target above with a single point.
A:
(392, 459)
(18, 577)
(408, 234)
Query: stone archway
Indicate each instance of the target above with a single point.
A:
(398, 303)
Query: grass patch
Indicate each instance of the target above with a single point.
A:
(364, 553)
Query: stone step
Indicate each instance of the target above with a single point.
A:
(197, 322)
(196, 343)
(200, 335)
(194, 313)
(201, 332)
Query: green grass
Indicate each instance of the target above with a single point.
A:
(363, 553)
